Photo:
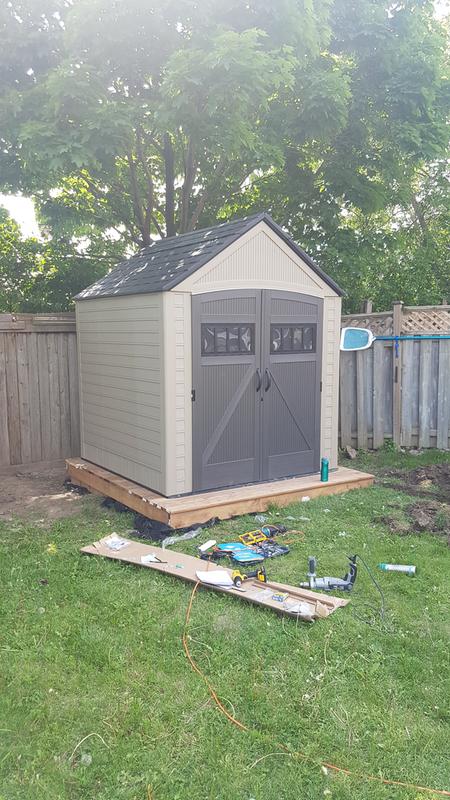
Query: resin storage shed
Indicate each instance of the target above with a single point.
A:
(211, 359)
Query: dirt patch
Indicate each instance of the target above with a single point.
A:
(39, 493)
(432, 517)
(431, 512)
(432, 481)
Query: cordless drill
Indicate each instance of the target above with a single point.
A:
(328, 584)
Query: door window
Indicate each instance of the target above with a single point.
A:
(228, 339)
(293, 338)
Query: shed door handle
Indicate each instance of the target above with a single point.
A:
(258, 380)
(268, 380)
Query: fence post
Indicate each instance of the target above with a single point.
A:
(397, 374)
(366, 307)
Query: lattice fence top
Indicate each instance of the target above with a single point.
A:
(379, 324)
(414, 320)
(426, 319)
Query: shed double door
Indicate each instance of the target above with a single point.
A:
(256, 386)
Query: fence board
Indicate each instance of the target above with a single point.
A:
(35, 409)
(346, 392)
(361, 398)
(443, 405)
(54, 398)
(4, 432)
(424, 394)
(409, 388)
(13, 399)
(73, 394)
(378, 395)
(44, 396)
(24, 397)
(64, 393)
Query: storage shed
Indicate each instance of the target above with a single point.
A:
(210, 360)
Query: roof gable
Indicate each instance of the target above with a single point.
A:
(167, 262)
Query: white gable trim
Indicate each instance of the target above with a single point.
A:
(220, 273)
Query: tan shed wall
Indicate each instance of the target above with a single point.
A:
(120, 362)
(258, 260)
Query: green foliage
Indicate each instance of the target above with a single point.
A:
(19, 265)
(151, 119)
(44, 275)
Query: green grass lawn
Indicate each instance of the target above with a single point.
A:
(92, 648)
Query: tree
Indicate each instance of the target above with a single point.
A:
(18, 265)
(150, 111)
(129, 121)
(44, 275)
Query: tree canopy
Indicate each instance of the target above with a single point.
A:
(127, 121)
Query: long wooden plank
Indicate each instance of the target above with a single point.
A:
(345, 399)
(35, 409)
(408, 391)
(183, 518)
(54, 399)
(64, 394)
(13, 399)
(424, 394)
(361, 404)
(4, 431)
(378, 395)
(180, 565)
(179, 512)
(44, 397)
(443, 403)
(74, 400)
(24, 397)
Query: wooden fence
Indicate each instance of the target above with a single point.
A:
(39, 405)
(398, 390)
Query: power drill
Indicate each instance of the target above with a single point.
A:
(327, 584)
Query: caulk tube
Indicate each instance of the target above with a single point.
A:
(408, 569)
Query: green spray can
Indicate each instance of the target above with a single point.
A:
(324, 467)
(408, 569)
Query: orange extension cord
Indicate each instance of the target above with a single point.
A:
(303, 756)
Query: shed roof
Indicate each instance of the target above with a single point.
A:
(165, 263)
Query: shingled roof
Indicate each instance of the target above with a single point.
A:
(165, 263)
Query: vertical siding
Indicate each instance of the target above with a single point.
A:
(120, 364)
(330, 378)
(177, 392)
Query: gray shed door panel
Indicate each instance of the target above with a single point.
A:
(225, 430)
(292, 346)
(256, 377)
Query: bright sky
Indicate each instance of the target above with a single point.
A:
(22, 209)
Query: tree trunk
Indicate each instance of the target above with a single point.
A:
(189, 179)
(169, 212)
(137, 207)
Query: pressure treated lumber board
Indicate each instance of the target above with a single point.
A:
(180, 512)
(183, 566)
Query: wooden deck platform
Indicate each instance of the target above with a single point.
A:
(180, 512)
